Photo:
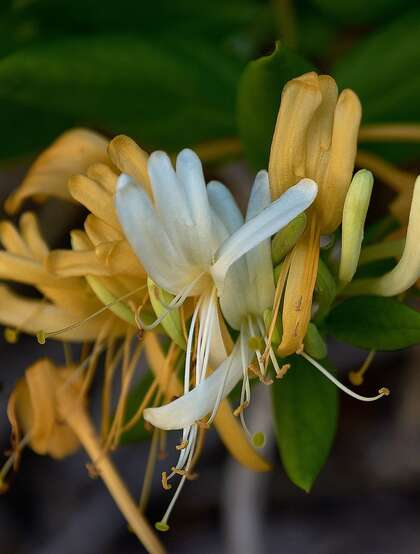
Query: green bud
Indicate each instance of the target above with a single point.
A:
(287, 237)
(120, 309)
(314, 344)
(354, 216)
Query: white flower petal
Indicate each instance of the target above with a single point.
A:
(190, 174)
(200, 401)
(260, 267)
(145, 233)
(290, 204)
(225, 206)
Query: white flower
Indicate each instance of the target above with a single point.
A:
(188, 240)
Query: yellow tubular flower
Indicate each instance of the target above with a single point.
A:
(48, 406)
(315, 137)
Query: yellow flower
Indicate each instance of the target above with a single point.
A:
(315, 137)
(48, 406)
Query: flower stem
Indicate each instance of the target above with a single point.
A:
(77, 418)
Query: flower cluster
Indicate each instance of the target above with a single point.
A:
(167, 265)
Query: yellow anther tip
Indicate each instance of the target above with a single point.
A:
(355, 378)
(384, 391)
(11, 335)
(258, 440)
(162, 526)
(41, 337)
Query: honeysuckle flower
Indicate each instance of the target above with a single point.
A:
(65, 301)
(407, 271)
(102, 256)
(315, 137)
(191, 236)
(48, 407)
(188, 240)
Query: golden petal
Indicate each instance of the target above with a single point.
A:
(72, 263)
(32, 316)
(299, 289)
(330, 200)
(99, 231)
(119, 258)
(104, 175)
(130, 159)
(300, 100)
(73, 152)
(94, 197)
(12, 241)
(319, 135)
(31, 234)
(28, 271)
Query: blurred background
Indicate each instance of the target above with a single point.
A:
(170, 74)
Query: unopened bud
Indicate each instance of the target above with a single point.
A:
(285, 239)
(314, 344)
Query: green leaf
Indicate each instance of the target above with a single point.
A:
(360, 11)
(305, 407)
(258, 100)
(375, 323)
(164, 93)
(383, 71)
(138, 432)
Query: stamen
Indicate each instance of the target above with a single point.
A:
(11, 335)
(165, 483)
(43, 335)
(356, 377)
(12, 461)
(148, 474)
(382, 391)
(182, 445)
(283, 370)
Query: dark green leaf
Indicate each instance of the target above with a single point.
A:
(167, 94)
(259, 98)
(138, 432)
(305, 414)
(360, 11)
(375, 323)
(383, 70)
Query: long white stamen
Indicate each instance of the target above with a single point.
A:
(189, 346)
(255, 333)
(220, 393)
(163, 524)
(382, 392)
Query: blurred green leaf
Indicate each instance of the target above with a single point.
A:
(360, 11)
(305, 407)
(138, 432)
(383, 70)
(167, 94)
(375, 323)
(258, 100)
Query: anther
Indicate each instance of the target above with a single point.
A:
(11, 335)
(182, 445)
(282, 371)
(165, 483)
(384, 391)
(41, 337)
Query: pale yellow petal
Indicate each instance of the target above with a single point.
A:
(130, 159)
(32, 316)
(94, 197)
(12, 241)
(28, 271)
(333, 189)
(300, 100)
(104, 175)
(99, 231)
(75, 263)
(31, 234)
(119, 258)
(73, 152)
